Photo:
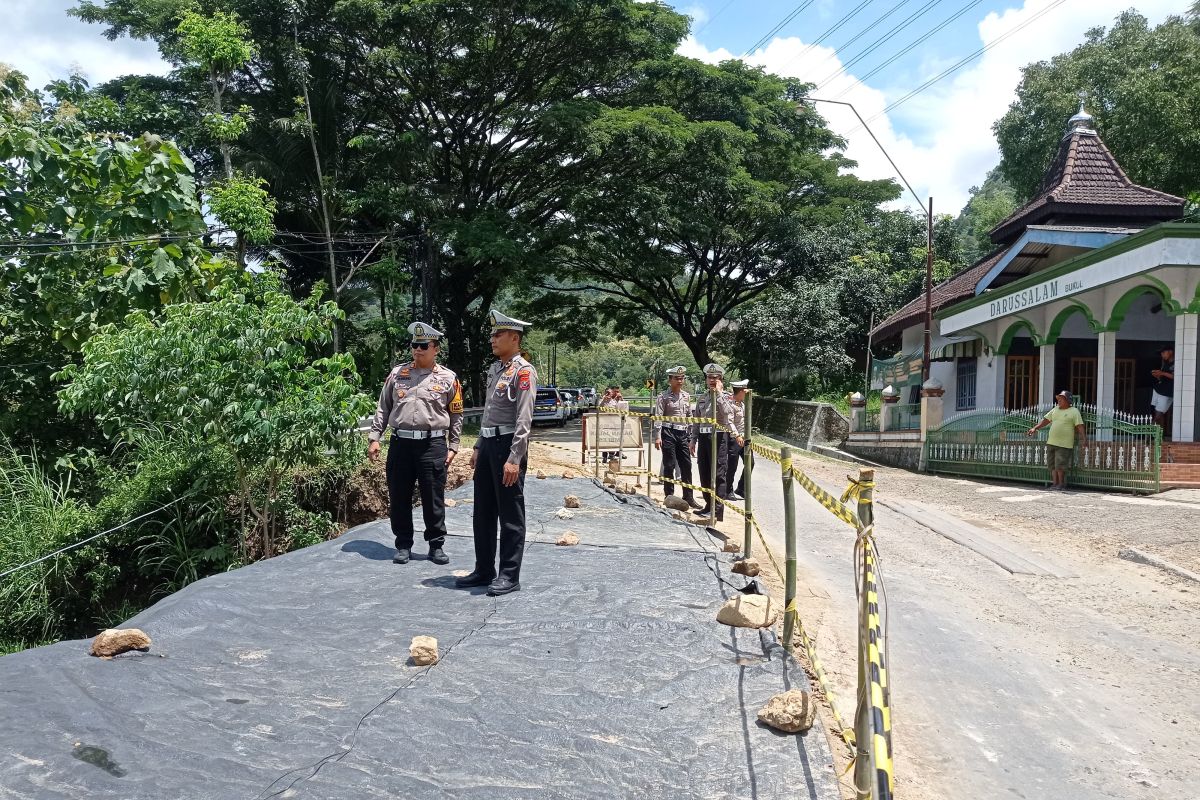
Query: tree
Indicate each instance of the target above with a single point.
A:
(238, 375)
(989, 205)
(723, 186)
(1141, 87)
(92, 227)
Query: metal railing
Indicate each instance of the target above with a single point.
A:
(1122, 451)
(905, 417)
(870, 420)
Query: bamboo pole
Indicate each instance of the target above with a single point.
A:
(747, 461)
(789, 540)
(864, 770)
(712, 465)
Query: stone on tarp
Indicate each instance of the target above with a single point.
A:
(679, 515)
(731, 546)
(675, 503)
(610, 479)
(540, 474)
(748, 611)
(567, 539)
(568, 474)
(451, 502)
(747, 566)
(570, 501)
(563, 513)
(423, 650)
(792, 711)
(115, 641)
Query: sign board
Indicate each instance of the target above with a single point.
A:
(615, 432)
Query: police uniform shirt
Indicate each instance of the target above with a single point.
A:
(670, 404)
(416, 399)
(739, 416)
(725, 412)
(511, 390)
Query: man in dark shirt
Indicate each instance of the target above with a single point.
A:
(1164, 386)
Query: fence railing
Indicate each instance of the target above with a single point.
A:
(1120, 451)
(906, 417)
(870, 739)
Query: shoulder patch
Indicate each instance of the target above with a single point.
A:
(456, 402)
(524, 380)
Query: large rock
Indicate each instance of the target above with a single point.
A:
(563, 513)
(676, 503)
(570, 501)
(748, 611)
(792, 711)
(747, 566)
(114, 641)
(451, 502)
(423, 650)
(567, 539)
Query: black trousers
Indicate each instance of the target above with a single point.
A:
(495, 501)
(736, 453)
(423, 462)
(704, 456)
(675, 454)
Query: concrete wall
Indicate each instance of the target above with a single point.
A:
(905, 453)
(801, 422)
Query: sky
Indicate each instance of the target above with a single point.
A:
(941, 139)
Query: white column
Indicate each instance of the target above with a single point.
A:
(1106, 369)
(1183, 426)
(999, 375)
(1046, 387)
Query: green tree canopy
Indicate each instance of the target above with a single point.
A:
(1141, 87)
(990, 203)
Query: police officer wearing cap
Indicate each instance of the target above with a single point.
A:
(737, 444)
(499, 459)
(674, 439)
(703, 433)
(422, 403)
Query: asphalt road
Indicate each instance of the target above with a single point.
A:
(1005, 685)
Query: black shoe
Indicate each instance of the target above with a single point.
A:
(704, 511)
(438, 556)
(691, 501)
(474, 579)
(402, 556)
(502, 585)
(735, 496)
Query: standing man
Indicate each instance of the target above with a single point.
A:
(674, 439)
(737, 445)
(422, 403)
(1065, 423)
(1164, 386)
(724, 413)
(499, 459)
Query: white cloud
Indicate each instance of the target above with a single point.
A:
(941, 139)
(40, 40)
(698, 15)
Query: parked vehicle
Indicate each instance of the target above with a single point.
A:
(548, 407)
(589, 396)
(570, 402)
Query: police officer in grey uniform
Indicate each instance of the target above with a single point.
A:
(500, 460)
(674, 439)
(724, 413)
(422, 403)
(737, 444)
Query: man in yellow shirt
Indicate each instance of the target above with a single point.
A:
(1065, 423)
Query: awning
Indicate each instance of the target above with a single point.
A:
(947, 347)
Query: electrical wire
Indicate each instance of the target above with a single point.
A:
(700, 30)
(920, 40)
(797, 11)
(831, 30)
(875, 45)
(864, 31)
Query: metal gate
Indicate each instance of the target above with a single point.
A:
(1122, 450)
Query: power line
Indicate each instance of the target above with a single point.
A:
(700, 30)
(864, 31)
(920, 40)
(882, 149)
(797, 11)
(831, 30)
(875, 45)
(968, 59)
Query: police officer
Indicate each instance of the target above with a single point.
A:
(703, 433)
(737, 444)
(422, 403)
(674, 439)
(499, 459)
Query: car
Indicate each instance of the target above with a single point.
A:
(589, 396)
(548, 406)
(572, 401)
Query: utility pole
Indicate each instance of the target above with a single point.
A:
(928, 291)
